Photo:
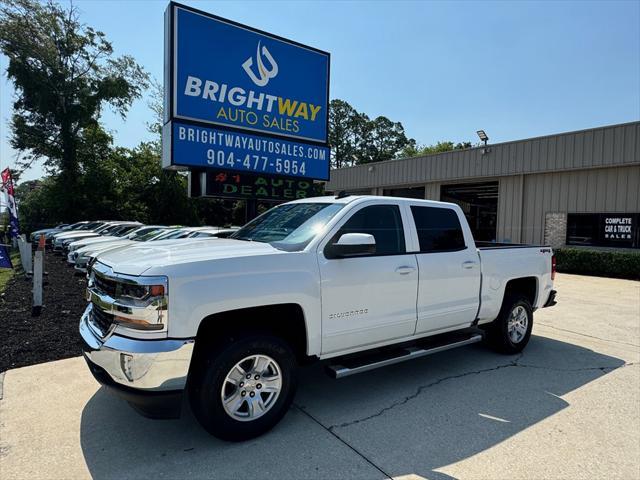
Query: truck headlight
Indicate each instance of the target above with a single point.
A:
(141, 305)
(129, 302)
(140, 292)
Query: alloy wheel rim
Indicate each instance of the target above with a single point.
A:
(517, 324)
(251, 388)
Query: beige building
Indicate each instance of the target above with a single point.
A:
(576, 188)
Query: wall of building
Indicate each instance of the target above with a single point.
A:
(510, 209)
(541, 180)
(432, 191)
(608, 190)
(526, 203)
(614, 145)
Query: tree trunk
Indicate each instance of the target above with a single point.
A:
(69, 173)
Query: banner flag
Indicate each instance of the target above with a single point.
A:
(7, 187)
(5, 259)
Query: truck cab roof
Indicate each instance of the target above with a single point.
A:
(348, 199)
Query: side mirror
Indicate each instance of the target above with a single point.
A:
(352, 245)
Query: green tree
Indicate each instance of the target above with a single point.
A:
(64, 73)
(356, 139)
(169, 188)
(382, 140)
(439, 147)
(343, 133)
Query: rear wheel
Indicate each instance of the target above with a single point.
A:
(242, 389)
(510, 332)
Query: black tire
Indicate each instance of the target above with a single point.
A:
(497, 333)
(208, 377)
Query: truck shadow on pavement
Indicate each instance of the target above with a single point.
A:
(410, 418)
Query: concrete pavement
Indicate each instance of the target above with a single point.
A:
(568, 407)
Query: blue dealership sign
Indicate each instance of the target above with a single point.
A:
(226, 74)
(202, 147)
(224, 77)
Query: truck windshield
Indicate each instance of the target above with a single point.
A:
(289, 227)
(148, 235)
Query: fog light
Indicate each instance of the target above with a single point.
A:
(135, 367)
(125, 365)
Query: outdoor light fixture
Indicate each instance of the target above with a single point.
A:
(483, 136)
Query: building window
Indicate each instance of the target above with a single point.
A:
(438, 229)
(604, 229)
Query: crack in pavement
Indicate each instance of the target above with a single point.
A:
(583, 369)
(515, 363)
(343, 441)
(586, 335)
(421, 388)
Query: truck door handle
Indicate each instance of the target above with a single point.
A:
(404, 269)
(469, 264)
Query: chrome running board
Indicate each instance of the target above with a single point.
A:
(408, 353)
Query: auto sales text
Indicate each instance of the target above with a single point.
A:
(271, 107)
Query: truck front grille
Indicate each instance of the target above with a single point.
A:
(101, 319)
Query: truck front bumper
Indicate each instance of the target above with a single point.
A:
(149, 374)
(71, 259)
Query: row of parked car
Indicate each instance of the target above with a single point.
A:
(83, 242)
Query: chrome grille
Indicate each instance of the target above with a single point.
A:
(101, 319)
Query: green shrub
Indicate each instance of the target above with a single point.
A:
(602, 263)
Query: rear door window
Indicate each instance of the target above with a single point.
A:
(438, 229)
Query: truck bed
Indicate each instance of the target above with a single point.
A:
(501, 262)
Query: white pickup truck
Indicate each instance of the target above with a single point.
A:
(357, 282)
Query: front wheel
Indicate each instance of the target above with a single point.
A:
(510, 332)
(243, 389)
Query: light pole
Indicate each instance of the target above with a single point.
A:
(483, 137)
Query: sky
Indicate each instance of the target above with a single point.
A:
(443, 69)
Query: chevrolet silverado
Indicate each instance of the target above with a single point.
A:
(357, 282)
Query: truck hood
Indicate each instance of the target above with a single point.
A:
(95, 248)
(83, 242)
(137, 259)
(80, 234)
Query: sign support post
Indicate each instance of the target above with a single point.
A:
(252, 209)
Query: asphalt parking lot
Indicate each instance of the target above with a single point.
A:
(568, 407)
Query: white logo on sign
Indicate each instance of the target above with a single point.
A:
(265, 74)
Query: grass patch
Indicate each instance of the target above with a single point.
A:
(7, 273)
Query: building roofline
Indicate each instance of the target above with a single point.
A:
(491, 145)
